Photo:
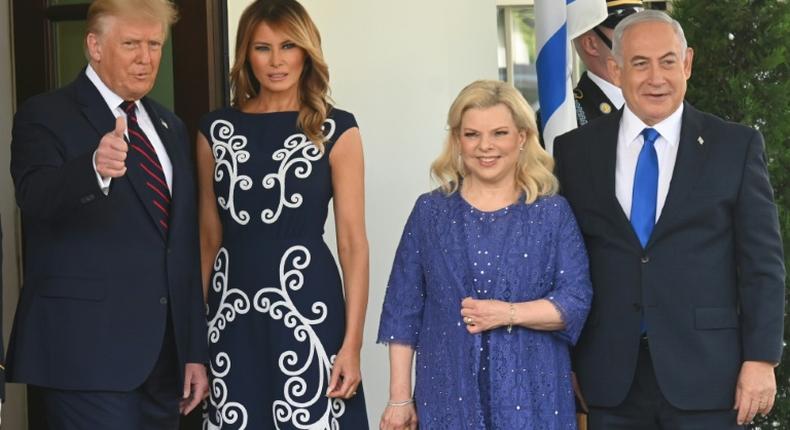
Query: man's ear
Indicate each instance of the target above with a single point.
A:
(687, 62)
(589, 43)
(614, 70)
(94, 47)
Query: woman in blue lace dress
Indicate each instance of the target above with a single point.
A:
(490, 283)
(285, 329)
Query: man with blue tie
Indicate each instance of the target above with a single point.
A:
(110, 324)
(686, 259)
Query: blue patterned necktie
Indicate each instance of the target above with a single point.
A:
(643, 199)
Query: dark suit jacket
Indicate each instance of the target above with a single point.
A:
(710, 281)
(99, 277)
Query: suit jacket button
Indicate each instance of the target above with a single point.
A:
(87, 199)
(645, 259)
(163, 300)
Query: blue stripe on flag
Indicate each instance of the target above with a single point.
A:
(551, 65)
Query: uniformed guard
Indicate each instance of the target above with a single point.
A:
(595, 94)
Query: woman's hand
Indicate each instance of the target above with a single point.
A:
(346, 375)
(399, 418)
(482, 315)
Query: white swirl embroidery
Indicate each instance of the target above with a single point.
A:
(277, 302)
(225, 412)
(228, 154)
(232, 302)
(287, 156)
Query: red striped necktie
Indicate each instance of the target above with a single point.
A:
(142, 156)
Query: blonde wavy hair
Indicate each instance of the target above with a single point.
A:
(291, 18)
(534, 165)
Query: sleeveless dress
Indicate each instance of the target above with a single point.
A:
(276, 311)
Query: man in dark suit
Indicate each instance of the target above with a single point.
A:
(595, 95)
(686, 259)
(110, 323)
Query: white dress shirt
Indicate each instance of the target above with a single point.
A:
(143, 120)
(630, 142)
(610, 90)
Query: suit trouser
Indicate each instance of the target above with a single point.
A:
(152, 406)
(645, 407)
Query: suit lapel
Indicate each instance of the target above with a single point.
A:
(166, 135)
(603, 160)
(692, 153)
(162, 127)
(94, 108)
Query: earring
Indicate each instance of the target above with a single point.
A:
(521, 148)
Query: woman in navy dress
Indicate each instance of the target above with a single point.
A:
(490, 284)
(284, 343)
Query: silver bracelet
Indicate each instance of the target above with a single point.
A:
(403, 403)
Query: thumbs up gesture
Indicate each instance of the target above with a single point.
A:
(111, 154)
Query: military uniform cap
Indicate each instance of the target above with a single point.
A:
(619, 9)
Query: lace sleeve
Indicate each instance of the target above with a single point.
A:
(572, 292)
(401, 314)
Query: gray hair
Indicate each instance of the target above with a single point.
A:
(646, 16)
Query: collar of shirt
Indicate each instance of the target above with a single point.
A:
(611, 91)
(113, 100)
(669, 129)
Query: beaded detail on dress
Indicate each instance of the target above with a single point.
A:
(541, 256)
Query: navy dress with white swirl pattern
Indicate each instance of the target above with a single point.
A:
(276, 311)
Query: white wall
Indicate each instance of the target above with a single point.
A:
(14, 412)
(397, 65)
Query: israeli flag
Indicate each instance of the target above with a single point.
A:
(557, 23)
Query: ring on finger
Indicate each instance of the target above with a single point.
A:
(468, 321)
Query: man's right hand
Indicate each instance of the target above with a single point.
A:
(111, 153)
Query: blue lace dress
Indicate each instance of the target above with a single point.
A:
(496, 380)
(276, 311)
